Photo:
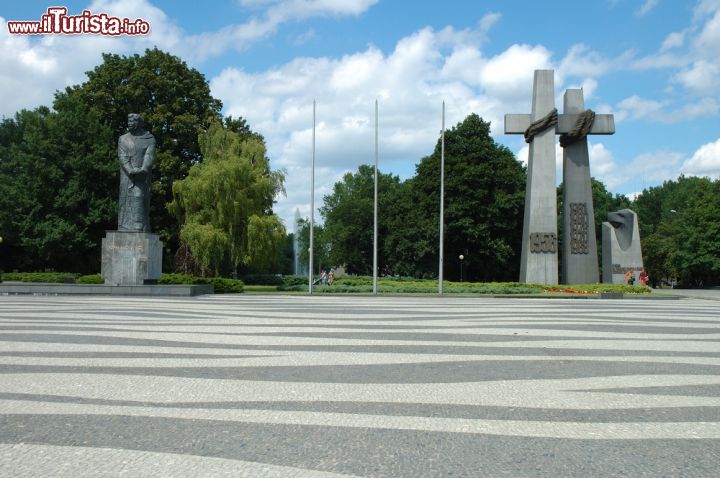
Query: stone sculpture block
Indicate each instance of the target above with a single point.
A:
(621, 251)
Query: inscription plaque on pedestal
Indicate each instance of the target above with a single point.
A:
(131, 258)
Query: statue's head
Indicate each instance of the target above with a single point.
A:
(623, 221)
(135, 122)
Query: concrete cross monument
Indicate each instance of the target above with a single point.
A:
(579, 244)
(539, 255)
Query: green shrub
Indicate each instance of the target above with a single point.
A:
(51, 277)
(413, 288)
(222, 285)
(90, 279)
(263, 279)
(292, 288)
(353, 280)
(295, 280)
(177, 279)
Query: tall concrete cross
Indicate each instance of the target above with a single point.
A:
(539, 255)
(579, 245)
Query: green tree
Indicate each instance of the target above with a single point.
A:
(58, 181)
(59, 168)
(176, 104)
(348, 216)
(286, 256)
(321, 247)
(679, 227)
(225, 203)
(484, 196)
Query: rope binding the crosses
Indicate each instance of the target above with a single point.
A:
(547, 121)
(580, 129)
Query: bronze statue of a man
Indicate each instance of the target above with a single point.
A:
(136, 151)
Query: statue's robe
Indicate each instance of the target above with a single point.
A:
(135, 151)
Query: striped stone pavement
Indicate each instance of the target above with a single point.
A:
(358, 386)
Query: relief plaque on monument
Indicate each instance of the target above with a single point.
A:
(579, 228)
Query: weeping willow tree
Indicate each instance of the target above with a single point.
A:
(225, 203)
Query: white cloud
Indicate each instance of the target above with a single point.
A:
(673, 40)
(702, 77)
(581, 61)
(488, 21)
(705, 161)
(655, 167)
(272, 14)
(305, 37)
(510, 74)
(410, 83)
(709, 37)
(40, 65)
(704, 108)
(603, 166)
(702, 70)
(646, 8)
(635, 107)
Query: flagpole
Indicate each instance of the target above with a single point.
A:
(375, 202)
(442, 200)
(312, 209)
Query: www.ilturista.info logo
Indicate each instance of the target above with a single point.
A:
(57, 21)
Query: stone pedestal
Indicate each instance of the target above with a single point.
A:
(131, 258)
(621, 250)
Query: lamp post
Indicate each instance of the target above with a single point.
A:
(1, 240)
(461, 257)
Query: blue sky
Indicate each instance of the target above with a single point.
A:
(655, 64)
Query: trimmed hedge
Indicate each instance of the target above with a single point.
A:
(262, 279)
(405, 286)
(295, 280)
(222, 285)
(346, 284)
(90, 279)
(49, 277)
(411, 289)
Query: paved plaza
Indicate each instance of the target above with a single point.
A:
(297, 386)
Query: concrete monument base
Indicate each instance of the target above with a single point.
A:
(131, 258)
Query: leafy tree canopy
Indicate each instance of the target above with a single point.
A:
(58, 188)
(175, 102)
(679, 227)
(225, 203)
(348, 216)
(484, 197)
(59, 167)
